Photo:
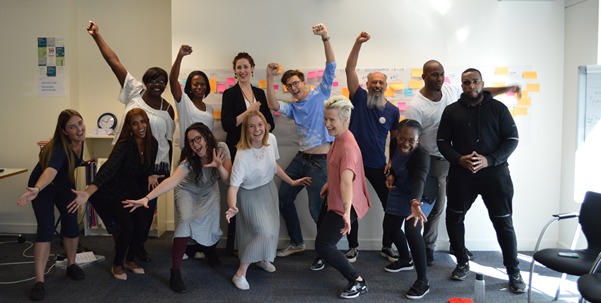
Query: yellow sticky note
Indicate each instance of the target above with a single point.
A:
(525, 101)
(532, 87)
(397, 86)
(498, 84)
(285, 89)
(313, 86)
(389, 93)
(520, 111)
(529, 75)
(280, 70)
(262, 83)
(512, 112)
(213, 84)
(345, 91)
(217, 114)
(417, 73)
(524, 94)
(416, 84)
(502, 71)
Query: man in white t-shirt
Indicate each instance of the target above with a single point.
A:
(426, 107)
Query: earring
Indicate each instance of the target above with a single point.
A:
(130, 133)
(235, 76)
(252, 74)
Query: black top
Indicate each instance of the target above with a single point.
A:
(424, 183)
(487, 128)
(58, 160)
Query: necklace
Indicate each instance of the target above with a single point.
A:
(261, 155)
(245, 98)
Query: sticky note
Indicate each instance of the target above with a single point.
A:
(416, 84)
(529, 75)
(280, 70)
(408, 92)
(512, 112)
(313, 86)
(524, 93)
(285, 89)
(389, 93)
(397, 86)
(213, 84)
(361, 85)
(335, 84)
(184, 81)
(276, 87)
(311, 75)
(502, 71)
(221, 88)
(277, 114)
(524, 101)
(402, 105)
(293, 100)
(509, 94)
(217, 114)
(345, 91)
(320, 73)
(498, 84)
(533, 87)
(181, 86)
(520, 111)
(417, 73)
(447, 80)
(262, 83)
(230, 81)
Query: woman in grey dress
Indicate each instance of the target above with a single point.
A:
(202, 162)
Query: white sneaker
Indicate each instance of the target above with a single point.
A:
(241, 283)
(199, 255)
(185, 257)
(290, 249)
(266, 266)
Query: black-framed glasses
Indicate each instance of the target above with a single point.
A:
(195, 140)
(293, 84)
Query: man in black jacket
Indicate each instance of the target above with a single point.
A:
(476, 135)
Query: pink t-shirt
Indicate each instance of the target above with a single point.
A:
(345, 154)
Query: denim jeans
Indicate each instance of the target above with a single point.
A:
(300, 167)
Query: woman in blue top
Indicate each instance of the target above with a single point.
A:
(413, 190)
(50, 184)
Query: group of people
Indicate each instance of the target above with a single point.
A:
(440, 144)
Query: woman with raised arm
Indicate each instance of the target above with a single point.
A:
(50, 184)
(202, 162)
(189, 104)
(253, 193)
(159, 111)
(118, 178)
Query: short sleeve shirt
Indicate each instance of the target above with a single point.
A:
(188, 113)
(255, 167)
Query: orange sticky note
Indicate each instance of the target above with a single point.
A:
(524, 94)
(280, 70)
(389, 93)
(520, 111)
(502, 71)
(417, 73)
(217, 114)
(285, 89)
(532, 87)
(397, 86)
(529, 75)
(525, 101)
(345, 91)
(262, 83)
(213, 84)
(416, 84)
(313, 86)
(498, 84)
(512, 112)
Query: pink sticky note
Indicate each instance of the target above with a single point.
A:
(510, 94)
(181, 86)
(311, 75)
(276, 87)
(230, 81)
(335, 84)
(361, 85)
(221, 88)
(319, 73)
(402, 105)
(277, 114)
(447, 80)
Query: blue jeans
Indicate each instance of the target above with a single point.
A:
(298, 168)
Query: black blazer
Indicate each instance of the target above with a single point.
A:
(233, 105)
(424, 182)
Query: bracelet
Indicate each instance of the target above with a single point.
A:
(411, 203)
(39, 190)
(148, 199)
(325, 39)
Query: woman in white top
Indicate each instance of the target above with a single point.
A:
(253, 187)
(160, 113)
(190, 106)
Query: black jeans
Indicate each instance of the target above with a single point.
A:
(133, 230)
(392, 229)
(328, 235)
(497, 194)
(377, 178)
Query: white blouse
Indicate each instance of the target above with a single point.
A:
(255, 167)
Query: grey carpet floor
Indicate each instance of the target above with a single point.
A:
(292, 282)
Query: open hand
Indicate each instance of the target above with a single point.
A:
(306, 181)
(32, 193)
(81, 199)
(230, 213)
(218, 159)
(324, 191)
(153, 181)
(136, 203)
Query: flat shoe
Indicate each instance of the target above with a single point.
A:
(122, 276)
(241, 283)
(266, 266)
(138, 271)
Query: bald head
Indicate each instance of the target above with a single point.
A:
(433, 75)
(430, 65)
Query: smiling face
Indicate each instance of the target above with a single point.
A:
(335, 126)
(243, 70)
(256, 130)
(407, 140)
(198, 86)
(156, 86)
(138, 126)
(197, 143)
(297, 88)
(75, 129)
(376, 84)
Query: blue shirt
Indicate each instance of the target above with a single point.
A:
(400, 196)
(371, 127)
(308, 113)
(58, 160)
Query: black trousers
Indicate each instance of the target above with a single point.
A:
(133, 230)
(392, 229)
(497, 194)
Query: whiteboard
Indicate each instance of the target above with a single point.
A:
(589, 101)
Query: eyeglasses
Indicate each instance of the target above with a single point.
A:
(153, 81)
(295, 84)
(195, 140)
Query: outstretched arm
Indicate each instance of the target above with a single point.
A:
(501, 90)
(321, 30)
(272, 69)
(165, 186)
(176, 90)
(306, 181)
(351, 63)
(44, 180)
(108, 54)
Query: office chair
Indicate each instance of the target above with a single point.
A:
(589, 285)
(590, 224)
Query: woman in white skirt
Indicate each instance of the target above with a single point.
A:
(203, 162)
(253, 187)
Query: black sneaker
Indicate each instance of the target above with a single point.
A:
(352, 254)
(176, 283)
(461, 271)
(429, 257)
(389, 253)
(470, 256)
(397, 266)
(75, 273)
(353, 289)
(419, 289)
(38, 292)
(318, 264)
(516, 284)
(213, 259)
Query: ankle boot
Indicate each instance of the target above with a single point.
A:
(176, 282)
